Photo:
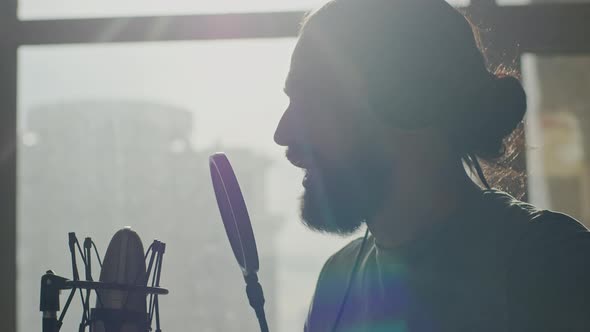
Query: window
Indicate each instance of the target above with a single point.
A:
(115, 135)
(558, 127)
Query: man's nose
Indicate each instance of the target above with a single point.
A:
(285, 134)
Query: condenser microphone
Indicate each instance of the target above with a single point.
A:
(238, 228)
(121, 292)
(124, 264)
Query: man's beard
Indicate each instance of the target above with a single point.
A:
(339, 200)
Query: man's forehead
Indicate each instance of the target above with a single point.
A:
(304, 65)
(315, 65)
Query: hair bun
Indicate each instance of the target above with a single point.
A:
(502, 112)
(509, 101)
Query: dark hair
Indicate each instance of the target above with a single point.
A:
(423, 66)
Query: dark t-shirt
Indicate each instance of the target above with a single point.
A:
(497, 265)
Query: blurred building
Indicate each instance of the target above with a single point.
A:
(93, 167)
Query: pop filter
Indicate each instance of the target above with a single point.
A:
(238, 228)
(234, 213)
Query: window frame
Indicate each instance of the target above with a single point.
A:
(515, 30)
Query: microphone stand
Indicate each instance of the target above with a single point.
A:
(49, 304)
(88, 274)
(256, 299)
(157, 253)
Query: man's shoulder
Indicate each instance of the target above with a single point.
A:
(506, 230)
(348, 252)
(530, 237)
(555, 224)
(526, 221)
(331, 286)
(547, 275)
(343, 260)
(551, 232)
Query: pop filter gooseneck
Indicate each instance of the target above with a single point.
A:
(238, 228)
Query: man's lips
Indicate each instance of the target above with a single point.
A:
(297, 160)
(306, 179)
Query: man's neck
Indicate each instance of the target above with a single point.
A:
(420, 204)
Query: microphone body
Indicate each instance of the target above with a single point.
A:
(122, 310)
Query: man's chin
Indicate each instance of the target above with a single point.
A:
(319, 213)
